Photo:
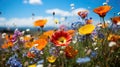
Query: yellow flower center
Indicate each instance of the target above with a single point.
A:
(62, 40)
(51, 59)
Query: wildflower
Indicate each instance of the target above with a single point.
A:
(113, 37)
(43, 37)
(93, 54)
(41, 43)
(101, 35)
(102, 10)
(39, 65)
(6, 45)
(89, 21)
(112, 43)
(70, 52)
(48, 33)
(3, 35)
(33, 65)
(83, 14)
(86, 29)
(63, 27)
(30, 55)
(14, 61)
(28, 44)
(56, 21)
(83, 60)
(71, 32)
(40, 22)
(17, 33)
(51, 59)
(76, 25)
(116, 20)
(54, 51)
(27, 38)
(40, 62)
(61, 38)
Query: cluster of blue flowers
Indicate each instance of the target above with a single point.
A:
(14, 61)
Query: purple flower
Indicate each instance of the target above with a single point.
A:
(14, 38)
(35, 51)
(17, 32)
(54, 51)
(14, 48)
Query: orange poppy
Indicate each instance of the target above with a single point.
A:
(116, 19)
(8, 37)
(113, 37)
(41, 43)
(70, 52)
(27, 38)
(43, 37)
(61, 38)
(28, 44)
(40, 22)
(48, 33)
(102, 10)
(71, 32)
(6, 45)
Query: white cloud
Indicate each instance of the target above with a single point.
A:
(65, 13)
(2, 19)
(26, 21)
(33, 2)
(29, 21)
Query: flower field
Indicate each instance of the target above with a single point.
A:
(84, 44)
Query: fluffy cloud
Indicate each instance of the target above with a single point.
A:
(64, 13)
(19, 22)
(33, 2)
(2, 19)
(29, 21)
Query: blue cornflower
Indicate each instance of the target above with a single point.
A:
(14, 62)
(40, 62)
(93, 54)
(83, 60)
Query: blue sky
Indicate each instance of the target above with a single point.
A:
(15, 10)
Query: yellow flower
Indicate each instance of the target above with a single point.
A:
(86, 29)
(33, 65)
(56, 21)
(51, 59)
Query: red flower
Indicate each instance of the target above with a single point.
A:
(30, 55)
(70, 52)
(61, 38)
